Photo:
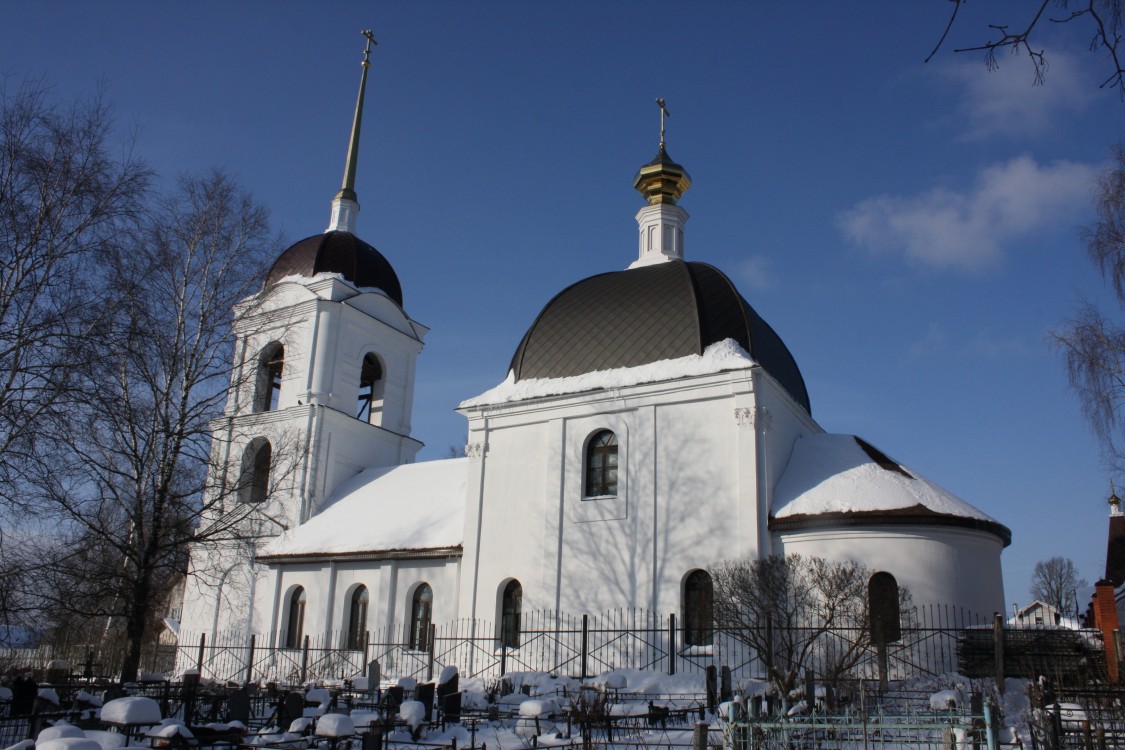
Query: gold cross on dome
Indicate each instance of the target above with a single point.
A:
(663, 113)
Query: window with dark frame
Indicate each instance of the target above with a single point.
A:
(510, 606)
(295, 629)
(601, 465)
(258, 490)
(357, 618)
(370, 386)
(421, 615)
(699, 608)
(271, 362)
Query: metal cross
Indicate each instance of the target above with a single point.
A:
(367, 50)
(663, 113)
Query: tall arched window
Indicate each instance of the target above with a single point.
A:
(357, 618)
(267, 395)
(510, 605)
(295, 628)
(884, 608)
(421, 614)
(255, 484)
(699, 608)
(369, 407)
(601, 465)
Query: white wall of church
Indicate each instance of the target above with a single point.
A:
(514, 518)
(391, 585)
(940, 565)
(223, 594)
(687, 496)
(701, 515)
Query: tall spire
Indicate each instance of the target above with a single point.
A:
(345, 205)
(662, 182)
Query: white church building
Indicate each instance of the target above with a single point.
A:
(651, 424)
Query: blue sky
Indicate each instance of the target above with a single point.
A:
(909, 229)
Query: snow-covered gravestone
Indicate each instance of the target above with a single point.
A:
(57, 732)
(413, 714)
(68, 743)
(131, 712)
(335, 726)
(373, 677)
(449, 695)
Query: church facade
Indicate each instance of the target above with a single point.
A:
(652, 424)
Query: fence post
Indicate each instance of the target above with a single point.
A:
(430, 664)
(585, 642)
(199, 659)
(998, 641)
(672, 643)
(990, 729)
(699, 740)
(305, 661)
(250, 660)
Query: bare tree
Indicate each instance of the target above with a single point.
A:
(1101, 19)
(63, 199)
(796, 613)
(130, 472)
(1055, 581)
(1094, 343)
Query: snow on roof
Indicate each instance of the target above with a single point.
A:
(720, 356)
(834, 474)
(297, 278)
(409, 507)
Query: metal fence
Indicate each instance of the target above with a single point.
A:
(83, 658)
(934, 640)
(938, 640)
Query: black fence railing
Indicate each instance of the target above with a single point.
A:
(934, 640)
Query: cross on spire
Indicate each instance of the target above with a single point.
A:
(367, 50)
(346, 204)
(663, 113)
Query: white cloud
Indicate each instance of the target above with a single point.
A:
(932, 343)
(1005, 102)
(967, 230)
(984, 346)
(755, 272)
(987, 346)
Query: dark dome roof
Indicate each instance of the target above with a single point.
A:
(342, 253)
(647, 314)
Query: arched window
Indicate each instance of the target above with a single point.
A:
(295, 629)
(601, 465)
(369, 407)
(255, 485)
(883, 607)
(699, 608)
(421, 614)
(510, 604)
(357, 618)
(267, 395)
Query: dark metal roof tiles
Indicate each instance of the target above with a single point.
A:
(342, 253)
(648, 314)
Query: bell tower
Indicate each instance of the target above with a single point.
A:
(322, 388)
(327, 360)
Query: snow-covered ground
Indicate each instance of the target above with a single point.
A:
(532, 709)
